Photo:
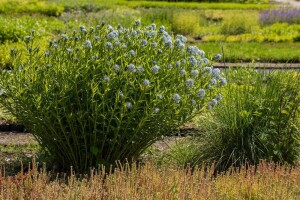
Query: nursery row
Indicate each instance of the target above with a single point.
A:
(266, 181)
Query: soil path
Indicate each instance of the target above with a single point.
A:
(293, 3)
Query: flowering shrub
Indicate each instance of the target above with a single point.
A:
(104, 94)
(284, 15)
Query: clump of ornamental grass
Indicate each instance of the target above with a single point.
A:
(103, 94)
(258, 118)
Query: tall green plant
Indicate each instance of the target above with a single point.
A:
(258, 118)
(106, 94)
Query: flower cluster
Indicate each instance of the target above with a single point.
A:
(134, 56)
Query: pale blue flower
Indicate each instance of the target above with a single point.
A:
(117, 43)
(133, 33)
(140, 69)
(110, 28)
(131, 68)
(216, 73)
(193, 102)
(64, 36)
(124, 46)
(170, 66)
(153, 26)
(194, 73)
(201, 53)
(181, 38)
(176, 98)
(177, 64)
(97, 38)
(129, 105)
(213, 102)
(160, 96)
(106, 78)
(217, 57)
(189, 83)
(168, 40)
(223, 81)
(192, 61)
(113, 35)
(109, 45)
(150, 34)
(155, 69)
(144, 43)
(207, 70)
(121, 94)
(117, 67)
(87, 44)
(28, 37)
(146, 82)
(132, 52)
(213, 81)
(182, 72)
(159, 51)
(69, 50)
(193, 50)
(137, 22)
(82, 27)
(154, 44)
(179, 44)
(219, 97)
(205, 60)
(156, 110)
(161, 29)
(201, 93)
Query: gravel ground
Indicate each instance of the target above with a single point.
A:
(288, 2)
(15, 138)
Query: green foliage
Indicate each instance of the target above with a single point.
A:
(16, 28)
(186, 22)
(258, 118)
(173, 151)
(236, 1)
(30, 6)
(253, 51)
(102, 95)
(234, 26)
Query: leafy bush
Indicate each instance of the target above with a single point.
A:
(103, 94)
(30, 6)
(186, 22)
(16, 28)
(258, 118)
(234, 26)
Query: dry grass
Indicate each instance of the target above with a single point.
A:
(150, 182)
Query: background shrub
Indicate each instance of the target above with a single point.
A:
(282, 15)
(258, 118)
(186, 22)
(234, 26)
(105, 94)
(30, 6)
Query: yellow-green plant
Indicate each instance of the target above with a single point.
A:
(104, 94)
(186, 22)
